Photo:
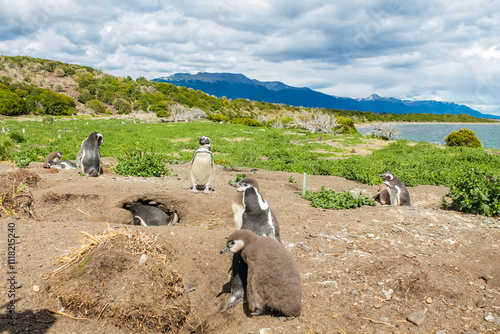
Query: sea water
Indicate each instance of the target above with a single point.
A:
(488, 134)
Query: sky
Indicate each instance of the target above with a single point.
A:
(415, 50)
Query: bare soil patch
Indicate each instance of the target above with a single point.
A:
(364, 270)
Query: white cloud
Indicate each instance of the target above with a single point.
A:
(442, 50)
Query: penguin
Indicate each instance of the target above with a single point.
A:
(398, 192)
(89, 156)
(62, 164)
(202, 166)
(148, 215)
(51, 157)
(251, 212)
(382, 196)
(274, 282)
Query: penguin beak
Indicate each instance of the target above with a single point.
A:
(225, 250)
(234, 184)
(381, 175)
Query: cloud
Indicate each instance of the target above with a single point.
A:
(443, 50)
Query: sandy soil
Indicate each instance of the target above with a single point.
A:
(363, 271)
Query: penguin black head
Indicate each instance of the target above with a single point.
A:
(59, 154)
(387, 176)
(245, 183)
(204, 140)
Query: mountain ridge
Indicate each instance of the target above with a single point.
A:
(234, 86)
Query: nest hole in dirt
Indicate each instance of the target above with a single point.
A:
(148, 211)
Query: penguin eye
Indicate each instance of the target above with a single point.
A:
(230, 244)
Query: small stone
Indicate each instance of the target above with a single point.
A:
(488, 222)
(306, 248)
(489, 295)
(471, 331)
(429, 300)
(36, 288)
(481, 303)
(441, 332)
(265, 331)
(354, 293)
(489, 318)
(143, 259)
(416, 317)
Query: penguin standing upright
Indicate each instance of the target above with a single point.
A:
(251, 212)
(273, 275)
(202, 166)
(89, 156)
(398, 193)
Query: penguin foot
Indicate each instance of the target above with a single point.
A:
(194, 190)
(257, 311)
(234, 301)
(206, 190)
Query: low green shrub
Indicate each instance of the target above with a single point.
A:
(246, 121)
(218, 118)
(473, 192)
(239, 177)
(329, 199)
(96, 106)
(463, 137)
(122, 105)
(139, 163)
(17, 137)
(346, 125)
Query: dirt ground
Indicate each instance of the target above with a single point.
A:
(368, 270)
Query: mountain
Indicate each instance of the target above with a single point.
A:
(235, 86)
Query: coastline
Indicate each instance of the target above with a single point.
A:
(365, 125)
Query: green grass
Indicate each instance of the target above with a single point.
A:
(265, 148)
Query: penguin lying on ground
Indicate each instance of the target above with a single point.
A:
(398, 192)
(251, 212)
(202, 166)
(148, 215)
(52, 157)
(62, 164)
(89, 156)
(273, 275)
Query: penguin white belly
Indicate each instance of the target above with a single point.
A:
(201, 169)
(238, 210)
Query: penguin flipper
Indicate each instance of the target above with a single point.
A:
(238, 283)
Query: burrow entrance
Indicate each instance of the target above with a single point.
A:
(147, 211)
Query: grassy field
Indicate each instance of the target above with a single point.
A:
(257, 147)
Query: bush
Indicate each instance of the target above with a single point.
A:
(346, 125)
(246, 121)
(57, 104)
(473, 192)
(122, 105)
(58, 87)
(218, 118)
(11, 104)
(96, 106)
(463, 137)
(145, 164)
(59, 72)
(329, 199)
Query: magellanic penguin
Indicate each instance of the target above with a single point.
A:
(54, 156)
(148, 215)
(202, 166)
(273, 275)
(62, 164)
(398, 192)
(89, 156)
(251, 212)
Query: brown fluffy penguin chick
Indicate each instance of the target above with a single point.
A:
(273, 275)
(54, 156)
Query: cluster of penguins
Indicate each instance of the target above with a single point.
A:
(88, 158)
(257, 251)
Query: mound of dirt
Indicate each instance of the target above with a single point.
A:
(16, 198)
(115, 282)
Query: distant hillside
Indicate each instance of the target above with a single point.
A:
(235, 86)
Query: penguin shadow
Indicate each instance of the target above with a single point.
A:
(35, 322)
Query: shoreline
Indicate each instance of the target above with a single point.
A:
(365, 125)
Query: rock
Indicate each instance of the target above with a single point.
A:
(265, 331)
(36, 288)
(489, 318)
(143, 259)
(440, 332)
(481, 303)
(472, 331)
(417, 317)
(354, 292)
(306, 248)
(429, 300)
